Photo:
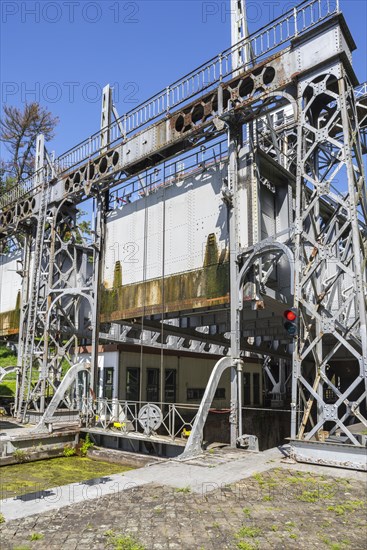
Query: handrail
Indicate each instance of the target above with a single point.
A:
(218, 69)
(123, 416)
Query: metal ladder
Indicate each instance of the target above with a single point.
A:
(24, 396)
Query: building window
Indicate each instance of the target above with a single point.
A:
(108, 383)
(220, 393)
(132, 383)
(170, 386)
(280, 117)
(246, 388)
(198, 393)
(251, 389)
(256, 388)
(152, 385)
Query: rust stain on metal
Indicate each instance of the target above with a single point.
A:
(9, 322)
(204, 287)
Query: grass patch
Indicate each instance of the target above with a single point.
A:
(36, 536)
(8, 385)
(246, 531)
(122, 542)
(7, 388)
(245, 545)
(322, 492)
(183, 490)
(349, 506)
(302, 479)
(20, 479)
(8, 359)
(247, 512)
(288, 526)
(259, 478)
(267, 481)
(335, 545)
(2, 519)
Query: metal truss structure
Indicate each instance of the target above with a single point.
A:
(330, 282)
(295, 123)
(58, 305)
(58, 293)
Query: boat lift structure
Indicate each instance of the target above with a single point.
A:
(280, 113)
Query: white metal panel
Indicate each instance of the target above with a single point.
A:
(189, 210)
(10, 282)
(267, 201)
(209, 213)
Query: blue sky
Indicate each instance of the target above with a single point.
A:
(62, 53)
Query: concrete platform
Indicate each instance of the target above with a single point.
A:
(15, 436)
(210, 472)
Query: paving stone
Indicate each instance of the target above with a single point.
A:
(278, 509)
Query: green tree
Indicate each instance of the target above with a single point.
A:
(18, 131)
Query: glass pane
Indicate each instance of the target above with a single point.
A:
(170, 386)
(132, 384)
(256, 379)
(152, 385)
(246, 388)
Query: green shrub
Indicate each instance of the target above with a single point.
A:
(86, 445)
(20, 456)
(69, 451)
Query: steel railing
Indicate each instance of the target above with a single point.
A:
(171, 171)
(123, 417)
(220, 68)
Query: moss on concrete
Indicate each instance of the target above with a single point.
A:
(25, 478)
(117, 275)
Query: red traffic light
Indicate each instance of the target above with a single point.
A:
(290, 323)
(290, 315)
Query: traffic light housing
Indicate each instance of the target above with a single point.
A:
(291, 319)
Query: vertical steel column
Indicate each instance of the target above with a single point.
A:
(236, 370)
(99, 244)
(106, 117)
(26, 274)
(44, 368)
(239, 31)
